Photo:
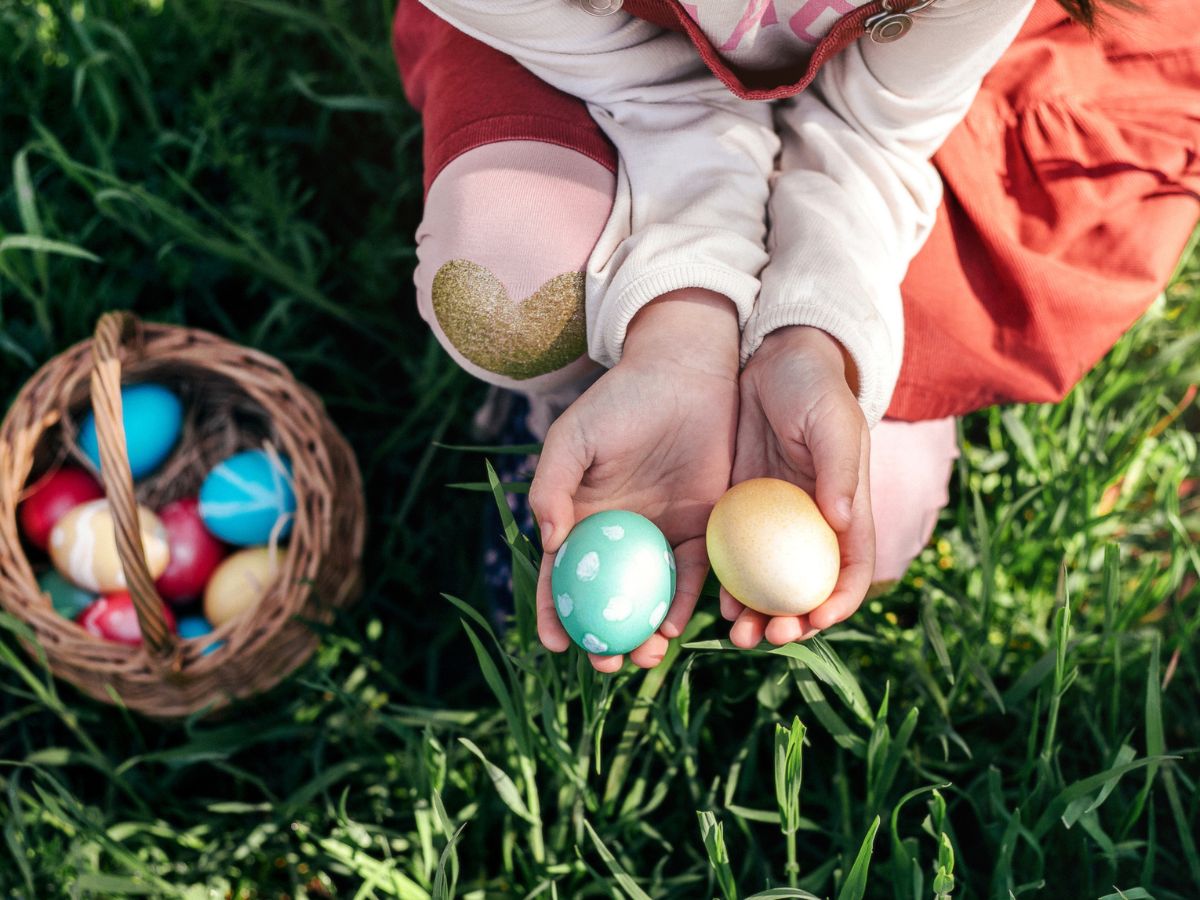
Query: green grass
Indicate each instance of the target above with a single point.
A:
(1020, 717)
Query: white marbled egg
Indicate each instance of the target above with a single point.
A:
(83, 547)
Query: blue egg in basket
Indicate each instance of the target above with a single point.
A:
(153, 420)
(192, 627)
(245, 498)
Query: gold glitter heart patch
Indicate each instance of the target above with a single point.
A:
(515, 338)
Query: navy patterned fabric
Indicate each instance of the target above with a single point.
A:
(510, 467)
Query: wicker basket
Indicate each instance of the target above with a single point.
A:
(237, 399)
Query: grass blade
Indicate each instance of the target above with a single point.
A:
(505, 786)
(937, 641)
(811, 692)
(623, 878)
(908, 879)
(712, 833)
(855, 885)
(820, 658)
(45, 245)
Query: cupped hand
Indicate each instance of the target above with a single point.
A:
(799, 421)
(654, 435)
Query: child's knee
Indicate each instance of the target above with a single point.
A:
(515, 342)
(911, 464)
(507, 232)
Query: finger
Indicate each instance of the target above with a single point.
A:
(857, 545)
(847, 595)
(549, 627)
(730, 607)
(747, 631)
(691, 568)
(606, 664)
(752, 435)
(651, 653)
(564, 459)
(785, 629)
(836, 441)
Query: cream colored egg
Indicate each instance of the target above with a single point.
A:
(239, 583)
(83, 547)
(771, 548)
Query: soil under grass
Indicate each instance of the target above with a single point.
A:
(1019, 717)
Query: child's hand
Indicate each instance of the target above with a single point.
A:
(655, 436)
(800, 421)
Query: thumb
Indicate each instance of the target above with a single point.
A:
(564, 459)
(838, 444)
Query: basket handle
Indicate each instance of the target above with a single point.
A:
(112, 331)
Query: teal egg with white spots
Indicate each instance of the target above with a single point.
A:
(612, 580)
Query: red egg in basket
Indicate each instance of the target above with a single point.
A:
(52, 497)
(195, 553)
(114, 618)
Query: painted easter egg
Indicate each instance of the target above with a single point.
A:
(612, 581)
(244, 497)
(67, 599)
(52, 497)
(771, 548)
(193, 627)
(114, 618)
(240, 582)
(194, 552)
(153, 419)
(83, 547)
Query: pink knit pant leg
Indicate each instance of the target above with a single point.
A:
(911, 465)
(507, 231)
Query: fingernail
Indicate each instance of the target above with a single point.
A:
(843, 508)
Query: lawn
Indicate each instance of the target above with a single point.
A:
(1020, 717)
